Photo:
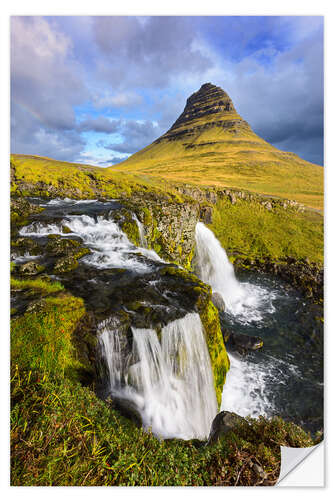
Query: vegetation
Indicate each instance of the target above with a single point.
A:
(249, 229)
(235, 158)
(43, 286)
(48, 178)
(62, 434)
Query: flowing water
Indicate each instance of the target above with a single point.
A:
(285, 377)
(164, 373)
(168, 381)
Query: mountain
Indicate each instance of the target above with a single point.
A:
(210, 144)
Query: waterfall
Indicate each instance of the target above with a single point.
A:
(245, 390)
(245, 301)
(143, 241)
(168, 381)
(110, 247)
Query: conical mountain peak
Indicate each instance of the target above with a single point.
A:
(209, 107)
(211, 144)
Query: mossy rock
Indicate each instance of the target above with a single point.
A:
(31, 268)
(69, 263)
(59, 246)
(25, 245)
(219, 357)
(131, 230)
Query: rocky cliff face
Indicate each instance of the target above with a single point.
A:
(209, 107)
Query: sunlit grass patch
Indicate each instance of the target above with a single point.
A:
(251, 229)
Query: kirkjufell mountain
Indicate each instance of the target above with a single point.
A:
(211, 144)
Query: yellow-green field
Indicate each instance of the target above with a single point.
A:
(252, 165)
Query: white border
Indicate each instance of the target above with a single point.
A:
(132, 7)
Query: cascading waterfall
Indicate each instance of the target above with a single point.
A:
(166, 378)
(110, 246)
(168, 381)
(244, 390)
(245, 301)
(143, 241)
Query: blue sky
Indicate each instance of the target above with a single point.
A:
(97, 89)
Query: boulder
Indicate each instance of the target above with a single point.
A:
(31, 268)
(206, 215)
(218, 301)
(224, 422)
(246, 342)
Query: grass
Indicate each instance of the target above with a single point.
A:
(39, 285)
(42, 339)
(250, 229)
(236, 158)
(38, 176)
(62, 434)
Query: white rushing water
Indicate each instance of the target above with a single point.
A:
(245, 391)
(110, 246)
(244, 301)
(143, 241)
(171, 383)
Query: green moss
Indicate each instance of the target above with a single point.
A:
(131, 229)
(147, 218)
(42, 340)
(41, 285)
(220, 362)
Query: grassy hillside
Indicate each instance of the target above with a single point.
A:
(40, 176)
(250, 229)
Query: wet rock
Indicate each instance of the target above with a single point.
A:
(25, 245)
(31, 268)
(245, 342)
(218, 301)
(224, 422)
(61, 246)
(206, 214)
(69, 263)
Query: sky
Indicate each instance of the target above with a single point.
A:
(97, 89)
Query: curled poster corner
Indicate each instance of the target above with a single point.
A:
(302, 466)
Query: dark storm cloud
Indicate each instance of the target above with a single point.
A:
(284, 103)
(76, 77)
(147, 52)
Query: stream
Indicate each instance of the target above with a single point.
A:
(164, 373)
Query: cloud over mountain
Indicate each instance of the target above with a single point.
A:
(79, 83)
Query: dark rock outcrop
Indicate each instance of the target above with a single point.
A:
(209, 107)
(224, 422)
(218, 301)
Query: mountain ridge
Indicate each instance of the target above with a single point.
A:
(211, 144)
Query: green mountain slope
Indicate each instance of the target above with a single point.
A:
(210, 144)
